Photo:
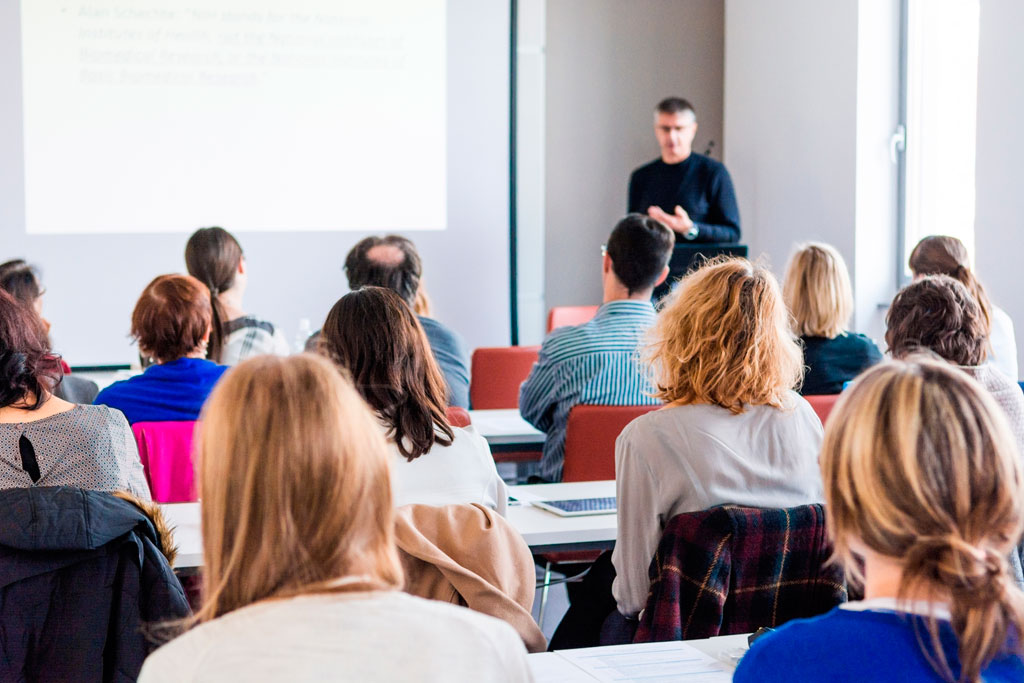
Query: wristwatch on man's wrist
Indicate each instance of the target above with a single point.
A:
(692, 233)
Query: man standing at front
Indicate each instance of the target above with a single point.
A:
(689, 192)
(597, 362)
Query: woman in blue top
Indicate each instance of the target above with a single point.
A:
(923, 484)
(171, 323)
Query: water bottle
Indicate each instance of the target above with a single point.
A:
(305, 330)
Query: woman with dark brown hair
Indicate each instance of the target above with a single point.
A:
(944, 255)
(171, 323)
(44, 440)
(21, 280)
(214, 257)
(939, 314)
(375, 336)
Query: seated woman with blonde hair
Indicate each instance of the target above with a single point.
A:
(819, 296)
(301, 579)
(734, 431)
(376, 338)
(923, 492)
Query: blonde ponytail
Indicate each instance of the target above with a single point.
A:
(919, 465)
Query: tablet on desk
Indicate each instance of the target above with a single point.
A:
(578, 507)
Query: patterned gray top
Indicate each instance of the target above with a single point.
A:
(1007, 394)
(91, 447)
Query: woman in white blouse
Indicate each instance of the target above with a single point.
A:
(733, 430)
(375, 336)
(944, 255)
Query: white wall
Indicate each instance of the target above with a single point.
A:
(608, 63)
(999, 231)
(809, 104)
(791, 122)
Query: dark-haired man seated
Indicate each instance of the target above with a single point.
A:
(393, 262)
(597, 362)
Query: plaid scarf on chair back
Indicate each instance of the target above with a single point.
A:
(732, 569)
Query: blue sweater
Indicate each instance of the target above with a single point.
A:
(700, 185)
(172, 391)
(451, 354)
(845, 645)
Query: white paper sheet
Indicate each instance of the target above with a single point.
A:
(676, 661)
(550, 667)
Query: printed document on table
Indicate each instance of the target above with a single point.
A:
(675, 661)
(551, 667)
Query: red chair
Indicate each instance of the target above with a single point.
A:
(497, 372)
(590, 440)
(563, 316)
(823, 405)
(589, 456)
(458, 417)
(165, 449)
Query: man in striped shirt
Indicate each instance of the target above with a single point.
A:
(598, 362)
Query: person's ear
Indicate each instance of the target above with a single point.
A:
(662, 277)
(606, 264)
(241, 266)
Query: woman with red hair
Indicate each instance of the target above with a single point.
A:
(171, 323)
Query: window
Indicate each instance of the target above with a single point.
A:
(941, 86)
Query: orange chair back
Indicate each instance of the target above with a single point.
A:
(458, 417)
(823, 405)
(563, 316)
(165, 449)
(590, 440)
(496, 374)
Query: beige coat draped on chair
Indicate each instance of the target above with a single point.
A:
(469, 555)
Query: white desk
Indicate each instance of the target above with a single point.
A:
(640, 662)
(506, 430)
(105, 378)
(543, 531)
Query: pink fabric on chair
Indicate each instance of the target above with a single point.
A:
(165, 449)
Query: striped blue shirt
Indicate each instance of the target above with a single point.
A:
(595, 363)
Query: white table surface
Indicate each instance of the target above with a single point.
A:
(549, 667)
(540, 529)
(501, 427)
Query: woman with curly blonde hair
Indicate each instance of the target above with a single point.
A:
(924, 500)
(733, 430)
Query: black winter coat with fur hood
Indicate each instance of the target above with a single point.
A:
(85, 577)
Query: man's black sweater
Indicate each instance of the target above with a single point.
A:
(700, 185)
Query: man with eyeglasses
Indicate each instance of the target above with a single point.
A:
(690, 193)
(596, 363)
